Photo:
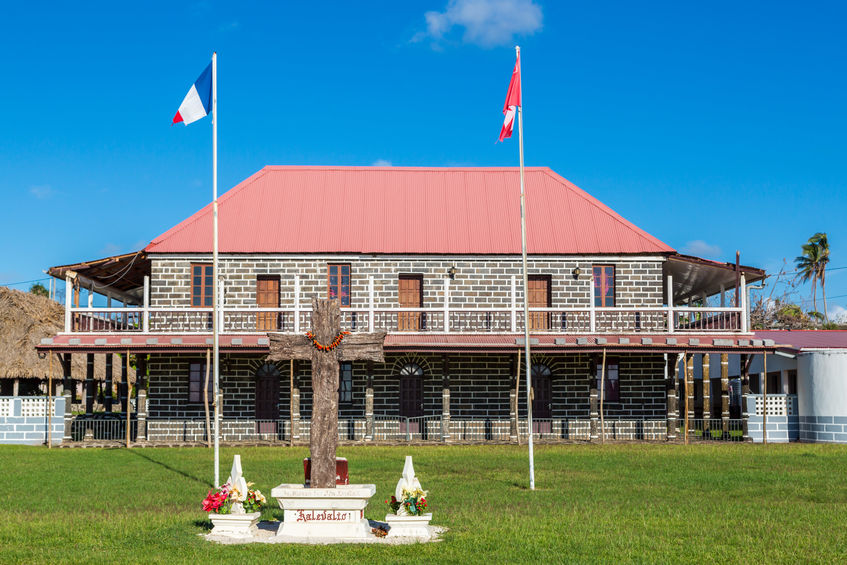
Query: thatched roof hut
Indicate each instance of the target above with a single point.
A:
(25, 319)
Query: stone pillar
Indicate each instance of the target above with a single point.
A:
(670, 385)
(295, 407)
(725, 393)
(745, 391)
(89, 383)
(16, 387)
(707, 392)
(141, 388)
(513, 400)
(107, 397)
(593, 400)
(125, 388)
(369, 404)
(68, 394)
(689, 405)
(445, 399)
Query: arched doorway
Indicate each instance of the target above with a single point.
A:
(411, 396)
(267, 398)
(542, 398)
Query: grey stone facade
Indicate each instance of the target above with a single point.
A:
(479, 390)
(482, 282)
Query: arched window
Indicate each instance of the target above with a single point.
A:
(267, 370)
(411, 370)
(541, 370)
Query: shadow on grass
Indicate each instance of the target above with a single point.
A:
(204, 524)
(138, 453)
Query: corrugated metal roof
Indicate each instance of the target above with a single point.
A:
(407, 210)
(641, 342)
(807, 339)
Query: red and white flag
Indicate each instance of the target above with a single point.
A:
(513, 101)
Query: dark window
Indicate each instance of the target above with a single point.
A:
(775, 382)
(604, 285)
(201, 285)
(338, 283)
(345, 382)
(792, 381)
(196, 380)
(754, 384)
(613, 390)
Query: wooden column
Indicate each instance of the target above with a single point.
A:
(68, 394)
(725, 393)
(89, 383)
(369, 403)
(593, 399)
(707, 393)
(295, 405)
(445, 398)
(745, 391)
(514, 378)
(141, 387)
(671, 386)
(107, 397)
(16, 384)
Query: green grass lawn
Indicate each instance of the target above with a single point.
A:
(604, 504)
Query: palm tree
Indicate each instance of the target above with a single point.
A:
(811, 265)
(819, 239)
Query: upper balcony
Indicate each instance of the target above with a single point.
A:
(691, 305)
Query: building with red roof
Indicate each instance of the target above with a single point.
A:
(432, 257)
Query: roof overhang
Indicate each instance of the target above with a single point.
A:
(694, 277)
(442, 343)
(118, 274)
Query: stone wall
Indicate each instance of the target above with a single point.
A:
(479, 388)
(24, 420)
(482, 282)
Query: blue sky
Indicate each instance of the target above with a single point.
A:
(714, 126)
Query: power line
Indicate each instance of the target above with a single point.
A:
(25, 282)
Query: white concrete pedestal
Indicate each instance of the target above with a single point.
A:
(234, 525)
(326, 513)
(408, 526)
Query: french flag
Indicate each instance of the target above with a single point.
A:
(198, 102)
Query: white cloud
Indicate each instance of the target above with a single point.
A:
(487, 23)
(837, 314)
(382, 163)
(110, 249)
(42, 191)
(700, 248)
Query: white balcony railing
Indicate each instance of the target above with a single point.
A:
(442, 318)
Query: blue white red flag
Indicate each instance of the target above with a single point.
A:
(198, 102)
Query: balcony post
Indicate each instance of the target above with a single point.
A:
(745, 314)
(221, 303)
(446, 305)
(745, 395)
(514, 379)
(671, 361)
(67, 383)
(514, 310)
(68, 301)
(297, 315)
(707, 390)
(145, 315)
(371, 303)
(670, 304)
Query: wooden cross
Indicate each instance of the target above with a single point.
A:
(326, 328)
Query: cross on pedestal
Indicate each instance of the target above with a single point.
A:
(326, 329)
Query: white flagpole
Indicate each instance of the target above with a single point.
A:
(525, 289)
(215, 328)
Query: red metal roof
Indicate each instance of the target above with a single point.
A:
(807, 339)
(407, 210)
